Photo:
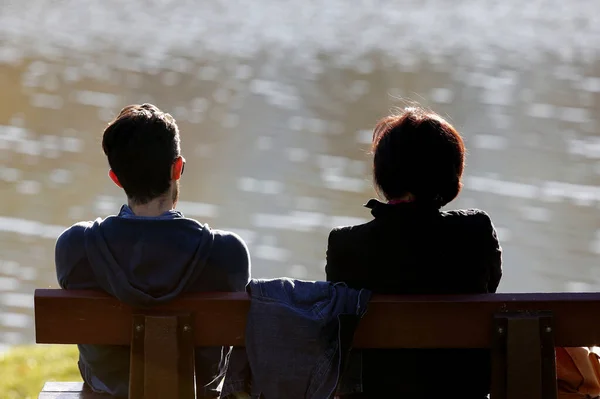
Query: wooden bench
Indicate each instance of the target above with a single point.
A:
(521, 330)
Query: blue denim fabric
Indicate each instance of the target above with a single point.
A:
(298, 337)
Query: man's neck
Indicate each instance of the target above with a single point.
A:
(154, 208)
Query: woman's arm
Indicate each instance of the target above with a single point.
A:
(341, 267)
(493, 255)
(332, 266)
(495, 272)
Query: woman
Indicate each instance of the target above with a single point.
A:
(412, 247)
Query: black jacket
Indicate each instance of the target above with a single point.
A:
(411, 248)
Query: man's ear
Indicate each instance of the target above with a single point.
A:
(178, 168)
(114, 178)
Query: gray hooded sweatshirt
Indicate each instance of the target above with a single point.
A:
(145, 261)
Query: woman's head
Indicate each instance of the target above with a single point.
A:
(418, 153)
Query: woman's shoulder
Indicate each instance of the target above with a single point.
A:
(468, 217)
(471, 213)
(350, 230)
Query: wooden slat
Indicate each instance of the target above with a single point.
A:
(72, 395)
(53, 386)
(68, 390)
(467, 321)
(498, 352)
(524, 358)
(136, 357)
(85, 317)
(161, 360)
(186, 367)
(162, 357)
(549, 382)
(88, 317)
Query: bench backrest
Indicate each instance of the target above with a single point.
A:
(521, 329)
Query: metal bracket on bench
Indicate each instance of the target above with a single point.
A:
(523, 357)
(162, 357)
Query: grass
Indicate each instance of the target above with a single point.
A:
(26, 368)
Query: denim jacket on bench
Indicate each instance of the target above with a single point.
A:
(298, 337)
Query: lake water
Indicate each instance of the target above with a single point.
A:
(275, 103)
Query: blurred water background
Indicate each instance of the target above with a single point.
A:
(275, 100)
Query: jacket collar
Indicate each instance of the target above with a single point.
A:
(127, 213)
(404, 209)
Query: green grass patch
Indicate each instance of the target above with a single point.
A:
(25, 369)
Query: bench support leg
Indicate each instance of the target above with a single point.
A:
(162, 357)
(523, 357)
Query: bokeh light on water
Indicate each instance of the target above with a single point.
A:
(275, 100)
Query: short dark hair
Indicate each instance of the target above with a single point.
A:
(141, 144)
(417, 152)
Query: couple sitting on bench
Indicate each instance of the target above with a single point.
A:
(150, 253)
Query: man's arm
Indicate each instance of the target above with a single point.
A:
(72, 269)
(232, 259)
(237, 257)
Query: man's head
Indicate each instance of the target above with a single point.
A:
(143, 150)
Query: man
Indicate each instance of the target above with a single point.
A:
(149, 253)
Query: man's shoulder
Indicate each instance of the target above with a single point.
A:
(79, 227)
(227, 238)
(230, 249)
(228, 242)
(74, 233)
(70, 260)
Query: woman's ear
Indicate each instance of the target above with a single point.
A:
(114, 178)
(178, 168)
